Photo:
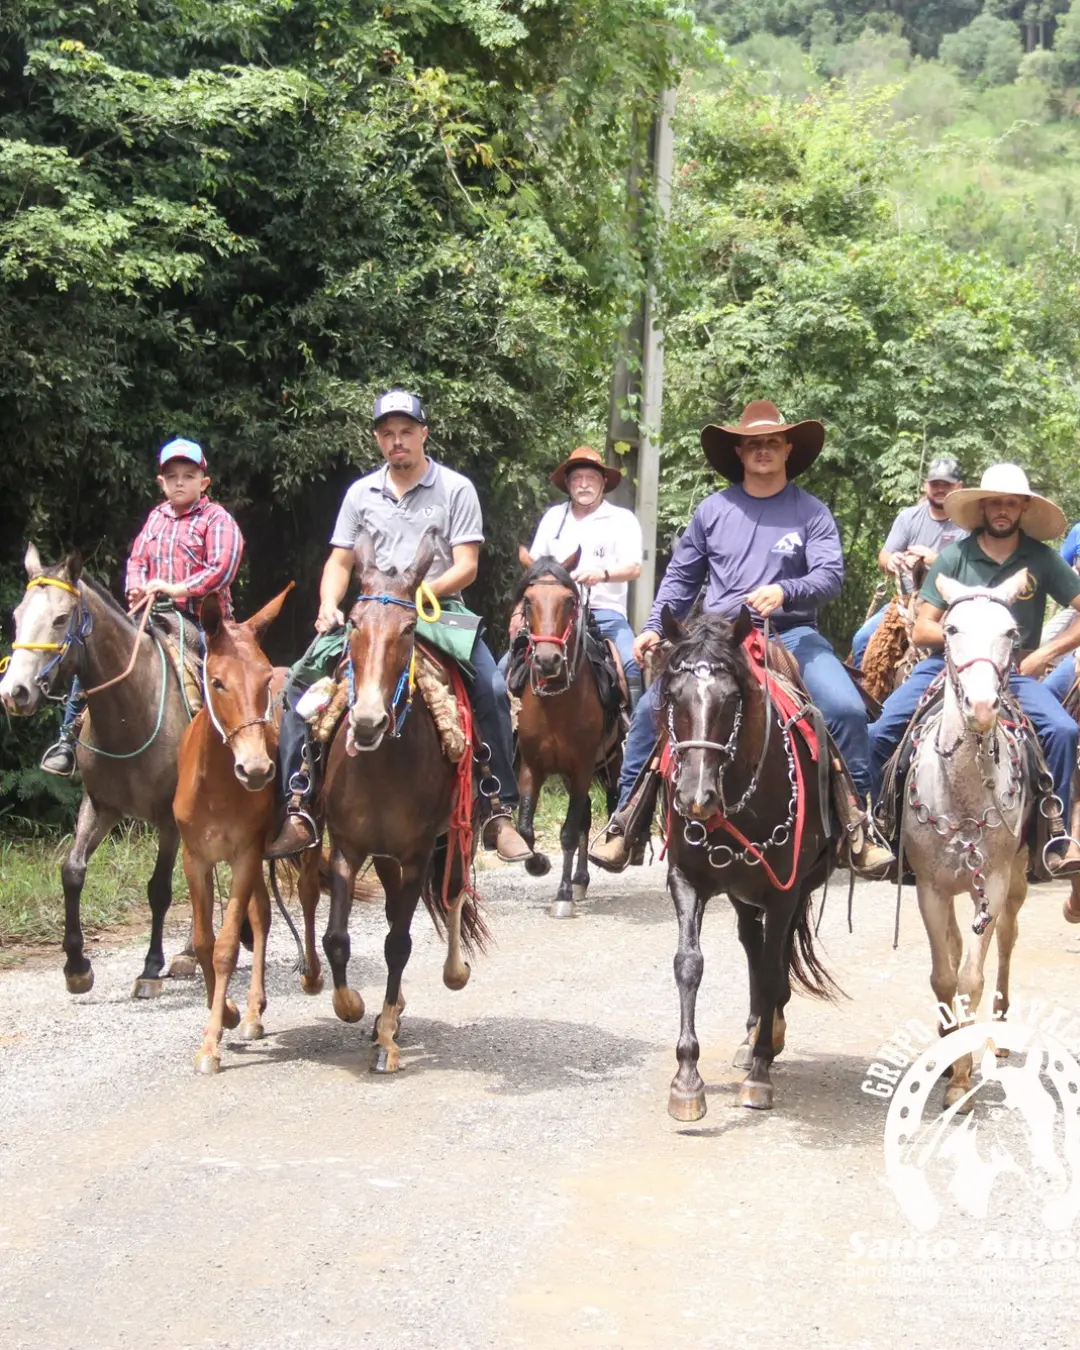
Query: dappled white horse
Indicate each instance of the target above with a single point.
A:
(965, 802)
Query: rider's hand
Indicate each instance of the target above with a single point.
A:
(643, 644)
(330, 617)
(920, 551)
(766, 599)
(1035, 664)
(588, 576)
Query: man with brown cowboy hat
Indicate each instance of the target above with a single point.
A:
(1009, 525)
(766, 543)
(609, 537)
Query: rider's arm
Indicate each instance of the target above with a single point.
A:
(1063, 584)
(927, 630)
(223, 546)
(685, 575)
(629, 550)
(461, 572)
(824, 575)
(896, 543)
(336, 575)
(138, 568)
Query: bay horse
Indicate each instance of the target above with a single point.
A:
(562, 726)
(392, 795)
(225, 808)
(738, 770)
(966, 802)
(66, 624)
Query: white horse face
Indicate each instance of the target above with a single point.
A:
(980, 641)
(42, 621)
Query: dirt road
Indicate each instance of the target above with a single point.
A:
(519, 1183)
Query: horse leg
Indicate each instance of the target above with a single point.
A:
(311, 980)
(751, 935)
(200, 880)
(348, 1004)
(185, 963)
(90, 829)
(159, 893)
(686, 1100)
(774, 991)
(939, 919)
(581, 874)
(1008, 927)
(258, 911)
(530, 784)
(223, 1011)
(401, 901)
(562, 907)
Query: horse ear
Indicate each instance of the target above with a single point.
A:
(951, 590)
(525, 558)
(671, 628)
(1013, 588)
(740, 629)
(72, 566)
(425, 556)
(211, 617)
(32, 562)
(573, 560)
(263, 618)
(364, 552)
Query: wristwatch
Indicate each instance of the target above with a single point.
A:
(607, 576)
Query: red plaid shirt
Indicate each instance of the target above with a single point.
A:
(200, 549)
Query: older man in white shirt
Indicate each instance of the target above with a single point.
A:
(609, 537)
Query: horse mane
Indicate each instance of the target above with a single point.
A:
(546, 566)
(709, 638)
(108, 599)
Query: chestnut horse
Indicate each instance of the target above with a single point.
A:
(390, 794)
(224, 807)
(746, 819)
(562, 726)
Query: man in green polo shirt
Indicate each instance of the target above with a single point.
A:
(1009, 524)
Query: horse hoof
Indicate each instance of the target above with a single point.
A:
(145, 988)
(1001, 1052)
(561, 909)
(251, 1029)
(744, 1056)
(311, 984)
(954, 1093)
(538, 864)
(386, 1061)
(686, 1106)
(757, 1096)
(207, 1063)
(80, 984)
(230, 1018)
(183, 967)
(581, 891)
(457, 979)
(348, 1004)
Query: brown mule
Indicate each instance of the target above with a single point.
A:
(562, 726)
(224, 807)
(389, 794)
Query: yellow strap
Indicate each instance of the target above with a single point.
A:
(36, 646)
(412, 670)
(426, 596)
(53, 581)
(5, 661)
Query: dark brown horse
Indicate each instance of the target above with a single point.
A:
(562, 726)
(745, 819)
(390, 794)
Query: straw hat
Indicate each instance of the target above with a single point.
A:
(762, 418)
(1042, 519)
(585, 457)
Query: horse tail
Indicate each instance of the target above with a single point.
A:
(804, 965)
(475, 934)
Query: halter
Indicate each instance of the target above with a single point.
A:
(954, 671)
(208, 704)
(80, 625)
(406, 685)
(574, 626)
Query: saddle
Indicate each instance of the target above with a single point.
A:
(180, 638)
(888, 813)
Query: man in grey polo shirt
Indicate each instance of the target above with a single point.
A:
(395, 505)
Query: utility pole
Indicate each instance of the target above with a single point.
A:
(647, 339)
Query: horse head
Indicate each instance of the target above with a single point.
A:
(551, 609)
(47, 620)
(237, 692)
(704, 688)
(980, 640)
(382, 643)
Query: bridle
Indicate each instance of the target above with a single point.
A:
(954, 670)
(80, 625)
(426, 606)
(573, 634)
(208, 703)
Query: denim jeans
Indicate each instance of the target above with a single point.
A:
(616, 626)
(862, 638)
(830, 687)
(1061, 678)
(1056, 730)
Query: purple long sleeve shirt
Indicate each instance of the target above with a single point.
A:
(737, 542)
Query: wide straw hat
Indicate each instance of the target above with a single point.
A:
(1043, 519)
(585, 457)
(762, 418)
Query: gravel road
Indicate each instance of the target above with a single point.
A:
(519, 1183)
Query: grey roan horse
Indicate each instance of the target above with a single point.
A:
(737, 764)
(66, 624)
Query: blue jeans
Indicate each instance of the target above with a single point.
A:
(830, 686)
(491, 703)
(1060, 680)
(1056, 730)
(861, 639)
(616, 626)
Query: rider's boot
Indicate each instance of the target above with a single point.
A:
(1062, 862)
(622, 840)
(59, 758)
(636, 689)
(500, 833)
(861, 848)
(296, 756)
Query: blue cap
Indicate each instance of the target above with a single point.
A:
(398, 401)
(182, 449)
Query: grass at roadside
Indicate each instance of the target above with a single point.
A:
(31, 897)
